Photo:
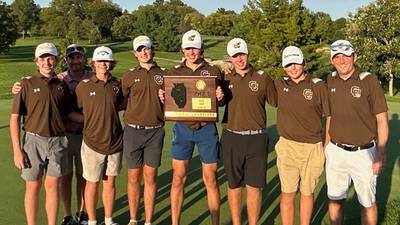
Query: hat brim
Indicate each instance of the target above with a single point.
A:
(346, 53)
(292, 60)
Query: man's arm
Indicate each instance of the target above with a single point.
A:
(15, 139)
(16, 88)
(383, 134)
(327, 126)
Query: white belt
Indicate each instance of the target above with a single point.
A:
(249, 132)
(140, 127)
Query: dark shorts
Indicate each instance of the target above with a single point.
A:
(74, 153)
(245, 159)
(143, 147)
(185, 139)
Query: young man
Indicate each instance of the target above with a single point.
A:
(244, 140)
(357, 133)
(302, 101)
(42, 102)
(100, 99)
(76, 61)
(144, 127)
(189, 134)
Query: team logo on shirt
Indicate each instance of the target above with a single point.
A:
(136, 80)
(36, 90)
(204, 73)
(355, 91)
(230, 86)
(286, 89)
(158, 79)
(116, 90)
(307, 93)
(60, 89)
(253, 85)
(92, 93)
(333, 89)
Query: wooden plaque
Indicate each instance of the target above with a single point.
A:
(190, 98)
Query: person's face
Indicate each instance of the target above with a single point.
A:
(240, 61)
(192, 55)
(46, 64)
(76, 62)
(144, 55)
(344, 64)
(102, 67)
(294, 71)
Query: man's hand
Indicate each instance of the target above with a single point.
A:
(16, 88)
(19, 159)
(379, 162)
(219, 93)
(161, 95)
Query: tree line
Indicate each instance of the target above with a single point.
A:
(268, 26)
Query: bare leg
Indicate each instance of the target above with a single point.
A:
(213, 198)
(51, 187)
(369, 216)
(179, 168)
(336, 212)
(134, 179)
(65, 193)
(108, 195)
(306, 208)
(150, 190)
(91, 198)
(235, 204)
(32, 191)
(287, 208)
(253, 202)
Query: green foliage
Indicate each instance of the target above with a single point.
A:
(8, 28)
(26, 13)
(270, 25)
(123, 26)
(375, 32)
(219, 23)
(392, 215)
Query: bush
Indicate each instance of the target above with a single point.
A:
(392, 215)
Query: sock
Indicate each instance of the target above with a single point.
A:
(92, 222)
(133, 221)
(108, 221)
(147, 223)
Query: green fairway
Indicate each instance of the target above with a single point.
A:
(19, 63)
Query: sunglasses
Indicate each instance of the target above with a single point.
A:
(75, 49)
(335, 48)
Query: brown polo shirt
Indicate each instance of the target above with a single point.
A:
(300, 108)
(355, 102)
(245, 99)
(100, 101)
(204, 69)
(141, 87)
(43, 102)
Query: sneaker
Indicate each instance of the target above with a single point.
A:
(132, 223)
(68, 220)
(82, 218)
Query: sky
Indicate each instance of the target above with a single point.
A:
(335, 8)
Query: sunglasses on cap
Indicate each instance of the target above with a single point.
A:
(73, 49)
(345, 47)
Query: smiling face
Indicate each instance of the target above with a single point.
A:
(345, 65)
(192, 55)
(295, 71)
(240, 61)
(46, 64)
(76, 62)
(102, 67)
(144, 54)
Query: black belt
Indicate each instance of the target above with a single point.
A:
(76, 132)
(353, 148)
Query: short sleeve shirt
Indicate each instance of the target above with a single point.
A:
(204, 69)
(355, 102)
(246, 99)
(300, 108)
(100, 102)
(43, 102)
(141, 87)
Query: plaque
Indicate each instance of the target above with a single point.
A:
(190, 98)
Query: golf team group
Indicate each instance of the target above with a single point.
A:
(71, 126)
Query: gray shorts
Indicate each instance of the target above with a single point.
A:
(45, 154)
(74, 153)
(143, 147)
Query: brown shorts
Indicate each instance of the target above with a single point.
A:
(299, 164)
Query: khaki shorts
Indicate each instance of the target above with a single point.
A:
(44, 154)
(299, 164)
(74, 153)
(96, 166)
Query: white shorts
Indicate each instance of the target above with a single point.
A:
(343, 166)
(96, 165)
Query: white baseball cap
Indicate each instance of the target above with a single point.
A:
(292, 54)
(46, 48)
(235, 46)
(142, 41)
(102, 54)
(192, 39)
(341, 47)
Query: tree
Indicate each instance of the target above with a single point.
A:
(219, 23)
(123, 26)
(8, 28)
(27, 13)
(375, 32)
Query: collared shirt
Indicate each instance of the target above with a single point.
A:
(141, 87)
(246, 99)
(204, 69)
(355, 102)
(43, 102)
(71, 83)
(100, 102)
(300, 108)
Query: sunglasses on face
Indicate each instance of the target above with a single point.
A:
(75, 49)
(335, 48)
